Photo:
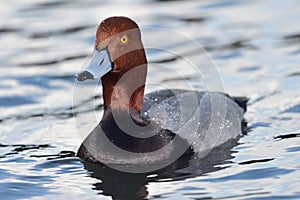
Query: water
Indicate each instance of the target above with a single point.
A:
(255, 46)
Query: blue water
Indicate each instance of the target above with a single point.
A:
(254, 46)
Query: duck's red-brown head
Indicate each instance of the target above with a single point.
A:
(119, 60)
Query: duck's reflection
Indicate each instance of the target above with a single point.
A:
(130, 186)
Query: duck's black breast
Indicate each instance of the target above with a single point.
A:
(123, 135)
(132, 133)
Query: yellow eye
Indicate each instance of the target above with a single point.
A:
(124, 39)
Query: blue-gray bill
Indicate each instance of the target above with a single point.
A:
(99, 66)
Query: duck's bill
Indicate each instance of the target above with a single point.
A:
(98, 67)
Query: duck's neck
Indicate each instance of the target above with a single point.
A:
(123, 88)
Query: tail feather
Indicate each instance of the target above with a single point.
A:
(241, 101)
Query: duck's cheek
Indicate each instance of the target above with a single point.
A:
(112, 53)
(115, 50)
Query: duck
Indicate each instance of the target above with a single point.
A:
(159, 127)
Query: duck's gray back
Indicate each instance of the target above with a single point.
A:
(205, 119)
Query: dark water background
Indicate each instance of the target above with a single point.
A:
(255, 46)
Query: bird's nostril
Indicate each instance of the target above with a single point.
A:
(101, 62)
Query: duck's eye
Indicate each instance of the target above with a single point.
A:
(124, 39)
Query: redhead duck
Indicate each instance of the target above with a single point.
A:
(159, 127)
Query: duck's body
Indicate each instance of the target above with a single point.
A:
(164, 125)
(109, 144)
(204, 119)
(199, 128)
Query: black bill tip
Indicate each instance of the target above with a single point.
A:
(82, 76)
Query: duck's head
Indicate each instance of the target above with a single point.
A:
(119, 60)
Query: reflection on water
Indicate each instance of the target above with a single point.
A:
(255, 46)
(122, 185)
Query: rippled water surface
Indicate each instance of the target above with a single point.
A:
(255, 46)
